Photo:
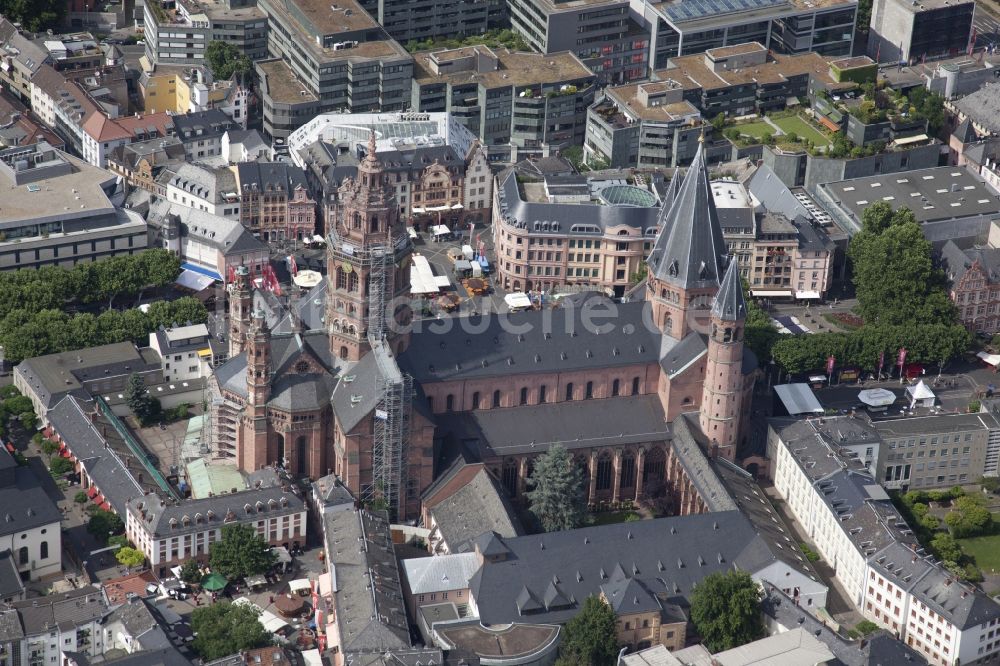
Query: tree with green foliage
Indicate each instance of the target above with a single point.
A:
(60, 466)
(191, 572)
(725, 609)
(719, 121)
(758, 331)
(49, 448)
(119, 540)
(34, 15)
(224, 628)
(241, 552)
(224, 59)
(130, 557)
(945, 548)
(555, 491)
(590, 637)
(143, 405)
(80, 497)
(866, 627)
(969, 517)
(104, 524)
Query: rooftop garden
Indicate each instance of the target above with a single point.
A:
(881, 103)
(493, 38)
(788, 130)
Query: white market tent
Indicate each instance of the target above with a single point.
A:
(299, 586)
(517, 301)
(992, 359)
(440, 230)
(877, 399)
(271, 622)
(194, 281)
(307, 279)
(920, 395)
(798, 399)
(312, 657)
(422, 279)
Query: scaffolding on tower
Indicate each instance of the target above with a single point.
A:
(391, 431)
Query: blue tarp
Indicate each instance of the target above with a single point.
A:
(207, 272)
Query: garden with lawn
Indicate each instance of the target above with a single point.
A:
(800, 127)
(756, 129)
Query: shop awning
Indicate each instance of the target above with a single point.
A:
(105, 506)
(456, 206)
(807, 295)
(908, 140)
(193, 280)
(201, 270)
(92, 492)
(65, 453)
(992, 359)
(770, 293)
(417, 210)
(299, 585)
(204, 353)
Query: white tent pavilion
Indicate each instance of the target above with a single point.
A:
(877, 399)
(920, 395)
(307, 279)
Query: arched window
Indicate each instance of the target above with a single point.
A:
(509, 478)
(341, 279)
(524, 395)
(569, 391)
(496, 398)
(653, 471)
(430, 403)
(604, 470)
(449, 402)
(343, 352)
(541, 393)
(727, 335)
(45, 550)
(475, 400)
(668, 323)
(22, 555)
(590, 391)
(352, 281)
(357, 220)
(635, 386)
(627, 470)
(615, 387)
(374, 224)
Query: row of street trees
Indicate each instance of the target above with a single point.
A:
(902, 297)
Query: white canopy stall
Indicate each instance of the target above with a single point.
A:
(877, 399)
(920, 395)
(422, 280)
(271, 622)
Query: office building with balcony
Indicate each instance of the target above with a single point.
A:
(518, 104)
(599, 32)
(325, 58)
(644, 125)
(58, 623)
(177, 32)
(57, 210)
(407, 20)
(785, 26)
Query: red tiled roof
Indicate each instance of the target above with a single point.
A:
(101, 128)
(118, 589)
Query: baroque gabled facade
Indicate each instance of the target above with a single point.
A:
(639, 399)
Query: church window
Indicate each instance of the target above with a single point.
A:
(341, 278)
(524, 395)
(668, 323)
(496, 398)
(569, 391)
(302, 366)
(449, 402)
(357, 220)
(475, 400)
(541, 393)
(343, 352)
(727, 335)
(352, 281)
(604, 470)
(430, 403)
(627, 474)
(590, 390)
(615, 387)
(374, 224)
(510, 476)
(301, 455)
(635, 386)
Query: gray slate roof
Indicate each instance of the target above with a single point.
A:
(64, 610)
(139, 622)
(689, 250)
(982, 106)
(556, 341)
(574, 424)
(25, 505)
(479, 506)
(10, 580)
(669, 556)
(10, 626)
(729, 303)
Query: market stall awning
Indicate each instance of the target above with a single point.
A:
(92, 492)
(214, 582)
(920, 392)
(307, 279)
(992, 359)
(770, 293)
(807, 295)
(877, 397)
(798, 399)
(207, 272)
(299, 585)
(193, 280)
(104, 505)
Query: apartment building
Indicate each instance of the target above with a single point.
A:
(62, 105)
(750, 79)
(599, 32)
(169, 532)
(57, 623)
(20, 58)
(689, 27)
(275, 200)
(102, 134)
(518, 104)
(183, 89)
(74, 51)
(185, 351)
(177, 32)
(328, 58)
(407, 20)
(209, 189)
(856, 529)
(140, 164)
(57, 211)
(939, 451)
(644, 126)
(201, 132)
(904, 31)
